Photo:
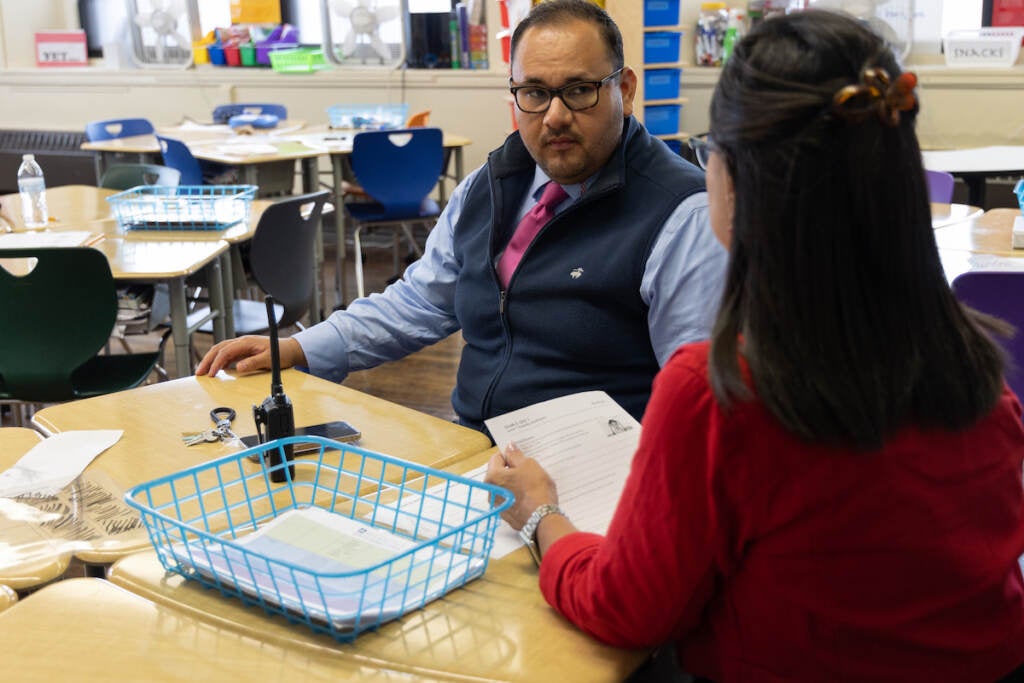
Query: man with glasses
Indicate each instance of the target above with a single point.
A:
(578, 257)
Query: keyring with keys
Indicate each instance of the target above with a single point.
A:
(222, 417)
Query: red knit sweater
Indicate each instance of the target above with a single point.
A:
(767, 558)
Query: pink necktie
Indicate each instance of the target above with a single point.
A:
(535, 219)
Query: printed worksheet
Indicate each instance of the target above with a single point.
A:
(585, 441)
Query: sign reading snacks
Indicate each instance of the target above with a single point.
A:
(61, 48)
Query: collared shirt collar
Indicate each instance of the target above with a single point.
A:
(540, 178)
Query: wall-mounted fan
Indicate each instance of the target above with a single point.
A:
(371, 31)
(159, 30)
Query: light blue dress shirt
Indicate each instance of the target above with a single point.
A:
(681, 286)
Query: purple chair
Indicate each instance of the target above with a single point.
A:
(940, 186)
(1000, 294)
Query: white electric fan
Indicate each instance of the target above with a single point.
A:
(159, 33)
(372, 31)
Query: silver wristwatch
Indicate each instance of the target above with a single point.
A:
(529, 531)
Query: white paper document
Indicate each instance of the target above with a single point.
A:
(331, 551)
(54, 462)
(585, 441)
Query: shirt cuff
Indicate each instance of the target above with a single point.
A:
(325, 350)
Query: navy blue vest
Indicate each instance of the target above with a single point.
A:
(572, 318)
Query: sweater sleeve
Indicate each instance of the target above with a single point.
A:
(648, 580)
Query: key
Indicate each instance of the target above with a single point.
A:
(208, 436)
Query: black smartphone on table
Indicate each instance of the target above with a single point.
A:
(338, 431)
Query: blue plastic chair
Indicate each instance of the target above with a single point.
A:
(224, 112)
(397, 169)
(112, 129)
(178, 156)
(999, 294)
(940, 186)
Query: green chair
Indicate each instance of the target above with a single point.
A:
(55, 320)
(126, 176)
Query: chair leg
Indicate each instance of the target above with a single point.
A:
(413, 245)
(358, 260)
(396, 243)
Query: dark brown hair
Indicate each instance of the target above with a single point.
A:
(835, 293)
(560, 11)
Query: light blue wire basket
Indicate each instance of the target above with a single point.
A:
(442, 524)
(182, 207)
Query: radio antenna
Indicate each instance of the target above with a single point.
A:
(276, 387)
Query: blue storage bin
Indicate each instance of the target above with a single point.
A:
(674, 145)
(662, 119)
(661, 84)
(661, 46)
(661, 12)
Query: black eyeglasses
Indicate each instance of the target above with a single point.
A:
(702, 146)
(535, 99)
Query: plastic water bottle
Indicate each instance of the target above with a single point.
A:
(32, 188)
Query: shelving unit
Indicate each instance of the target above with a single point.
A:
(660, 113)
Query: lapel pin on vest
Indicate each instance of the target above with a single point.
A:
(576, 273)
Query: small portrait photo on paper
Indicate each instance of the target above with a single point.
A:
(618, 426)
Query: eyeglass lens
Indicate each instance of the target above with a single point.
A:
(701, 150)
(576, 97)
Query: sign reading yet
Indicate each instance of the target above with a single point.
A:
(61, 48)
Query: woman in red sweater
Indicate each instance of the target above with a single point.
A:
(829, 490)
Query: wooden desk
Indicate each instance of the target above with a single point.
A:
(974, 165)
(95, 632)
(153, 418)
(984, 243)
(947, 214)
(496, 628)
(221, 144)
(305, 145)
(27, 558)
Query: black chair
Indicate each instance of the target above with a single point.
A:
(281, 257)
(53, 332)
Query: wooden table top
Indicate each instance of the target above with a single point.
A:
(948, 214)
(84, 207)
(496, 628)
(27, 557)
(95, 632)
(992, 233)
(154, 417)
(230, 148)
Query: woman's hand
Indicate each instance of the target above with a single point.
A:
(528, 482)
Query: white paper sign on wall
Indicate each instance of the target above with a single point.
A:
(61, 48)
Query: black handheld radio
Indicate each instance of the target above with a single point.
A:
(274, 418)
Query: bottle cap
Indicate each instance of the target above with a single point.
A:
(28, 157)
